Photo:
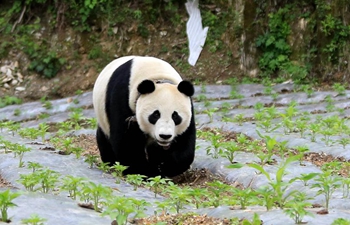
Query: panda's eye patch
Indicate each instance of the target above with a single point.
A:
(153, 118)
(176, 117)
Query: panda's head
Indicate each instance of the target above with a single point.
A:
(163, 110)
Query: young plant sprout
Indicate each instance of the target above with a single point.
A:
(91, 160)
(19, 151)
(6, 202)
(326, 185)
(72, 185)
(295, 208)
(157, 183)
(34, 219)
(135, 179)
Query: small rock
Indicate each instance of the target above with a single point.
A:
(20, 88)
(6, 85)
(9, 72)
(44, 88)
(14, 82)
(163, 33)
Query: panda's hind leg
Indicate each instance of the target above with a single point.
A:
(105, 147)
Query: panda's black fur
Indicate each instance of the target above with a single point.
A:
(128, 145)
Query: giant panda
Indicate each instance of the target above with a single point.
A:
(145, 117)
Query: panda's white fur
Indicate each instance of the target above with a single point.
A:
(166, 99)
(142, 68)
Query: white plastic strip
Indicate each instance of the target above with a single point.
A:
(195, 32)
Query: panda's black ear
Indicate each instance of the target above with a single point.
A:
(186, 88)
(146, 87)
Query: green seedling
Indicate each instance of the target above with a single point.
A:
(196, 196)
(235, 95)
(305, 177)
(135, 179)
(48, 179)
(67, 143)
(282, 148)
(339, 88)
(14, 127)
(34, 219)
(327, 134)
(242, 139)
(259, 116)
(314, 129)
(346, 186)
(330, 107)
(271, 144)
(288, 124)
(230, 149)
(278, 185)
(326, 185)
(157, 183)
(46, 104)
(106, 168)
(256, 220)
(344, 141)
(225, 108)
(95, 192)
(30, 132)
(245, 196)
(210, 112)
(301, 125)
(8, 146)
(76, 116)
(308, 90)
(76, 151)
(239, 118)
(164, 207)
(19, 151)
(267, 124)
(119, 209)
(91, 160)
(117, 171)
(29, 181)
(17, 112)
(34, 166)
(259, 106)
(267, 194)
(6, 202)
(333, 167)
(72, 184)
(178, 196)
(341, 221)
(42, 131)
(215, 189)
(295, 209)
(216, 145)
(92, 123)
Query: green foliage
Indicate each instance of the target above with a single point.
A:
(338, 32)
(326, 185)
(6, 202)
(119, 209)
(34, 219)
(273, 44)
(9, 100)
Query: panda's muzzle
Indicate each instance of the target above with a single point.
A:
(165, 143)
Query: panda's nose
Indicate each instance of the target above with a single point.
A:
(165, 136)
